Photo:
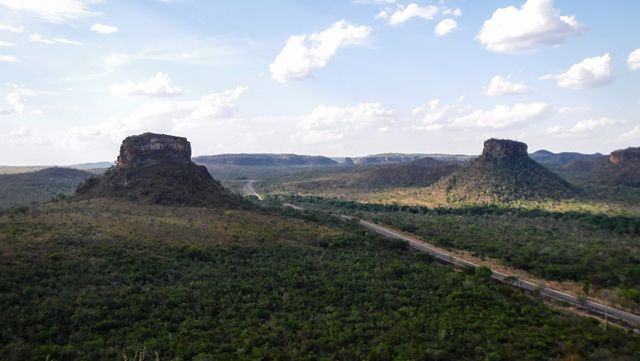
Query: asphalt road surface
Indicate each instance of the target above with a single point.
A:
(606, 312)
(598, 309)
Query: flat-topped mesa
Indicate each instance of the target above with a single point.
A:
(625, 156)
(151, 149)
(503, 149)
(157, 169)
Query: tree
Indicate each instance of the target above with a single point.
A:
(483, 272)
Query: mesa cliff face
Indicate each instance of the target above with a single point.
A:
(629, 155)
(149, 149)
(503, 149)
(157, 169)
(504, 172)
(620, 168)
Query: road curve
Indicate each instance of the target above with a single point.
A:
(249, 190)
(606, 312)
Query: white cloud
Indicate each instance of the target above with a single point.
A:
(8, 59)
(452, 12)
(37, 38)
(159, 85)
(55, 11)
(162, 116)
(584, 126)
(17, 100)
(435, 115)
(11, 29)
(591, 72)
(405, 13)
(536, 23)
(302, 53)
(333, 123)
(5, 44)
(634, 60)
(444, 27)
(375, 2)
(104, 29)
(501, 85)
(382, 15)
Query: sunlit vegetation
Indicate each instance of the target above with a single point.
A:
(575, 246)
(101, 280)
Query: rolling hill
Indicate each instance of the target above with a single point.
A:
(620, 168)
(556, 161)
(264, 160)
(39, 186)
(420, 172)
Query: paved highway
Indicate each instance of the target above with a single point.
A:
(606, 312)
(598, 309)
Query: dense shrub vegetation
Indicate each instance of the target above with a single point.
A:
(578, 246)
(87, 281)
(38, 186)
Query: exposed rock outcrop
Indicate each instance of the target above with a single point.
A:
(149, 149)
(157, 168)
(503, 149)
(625, 156)
(504, 172)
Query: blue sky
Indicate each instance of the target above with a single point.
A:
(338, 78)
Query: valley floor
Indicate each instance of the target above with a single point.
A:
(96, 280)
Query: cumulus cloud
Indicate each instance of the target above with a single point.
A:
(435, 115)
(591, 72)
(55, 11)
(445, 26)
(5, 44)
(501, 85)
(405, 13)
(159, 85)
(584, 126)
(37, 38)
(8, 59)
(17, 99)
(162, 116)
(333, 123)
(452, 12)
(11, 29)
(104, 29)
(535, 23)
(302, 53)
(634, 60)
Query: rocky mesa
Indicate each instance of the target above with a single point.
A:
(157, 169)
(503, 149)
(629, 155)
(151, 149)
(504, 172)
